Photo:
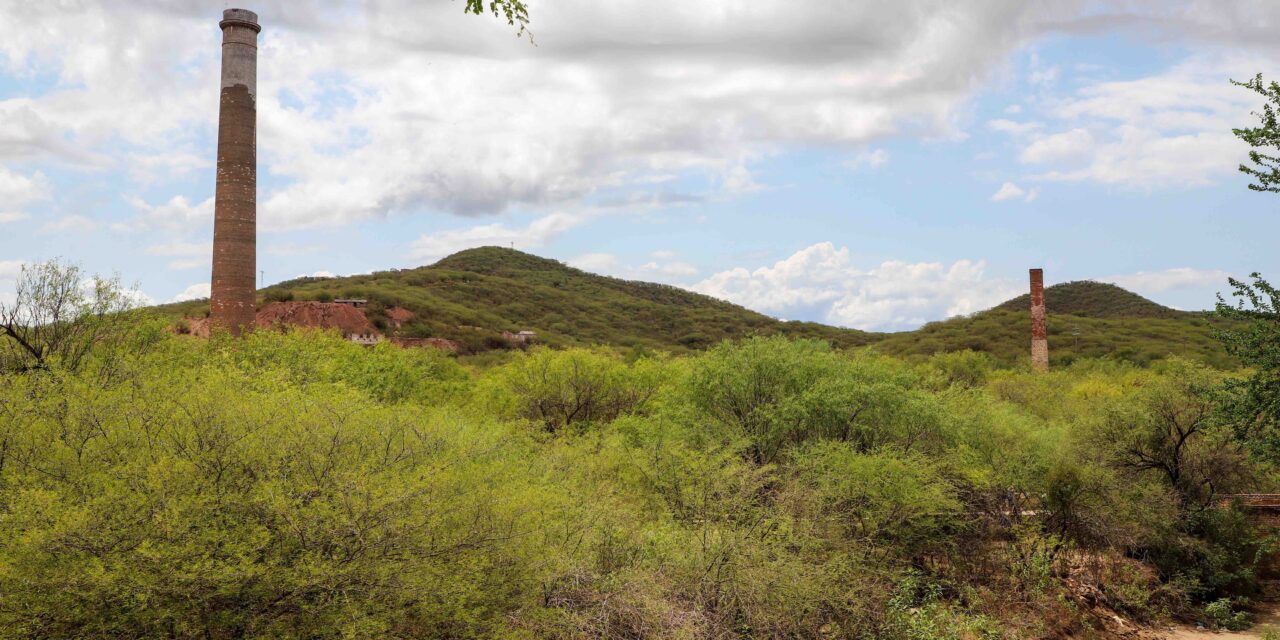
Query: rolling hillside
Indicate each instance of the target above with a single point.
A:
(473, 296)
(1095, 300)
(1086, 320)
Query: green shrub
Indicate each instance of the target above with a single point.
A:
(576, 386)
(899, 501)
(242, 509)
(777, 393)
(300, 486)
(966, 369)
(278, 295)
(1222, 614)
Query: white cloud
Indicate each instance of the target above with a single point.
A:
(147, 168)
(1066, 146)
(868, 159)
(17, 190)
(69, 224)
(1170, 279)
(10, 269)
(171, 249)
(291, 249)
(363, 113)
(1043, 77)
(188, 255)
(1169, 129)
(595, 262)
(675, 269)
(821, 282)
(1013, 128)
(1011, 191)
(135, 296)
(193, 292)
(433, 246)
(9, 272)
(1143, 158)
(138, 298)
(175, 214)
(662, 268)
(1007, 191)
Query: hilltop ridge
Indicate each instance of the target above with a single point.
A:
(472, 296)
(1086, 319)
(1093, 299)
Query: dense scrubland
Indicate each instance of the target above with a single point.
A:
(300, 486)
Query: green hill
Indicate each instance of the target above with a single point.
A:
(474, 295)
(1007, 336)
(1086, 320)
(1094, 300)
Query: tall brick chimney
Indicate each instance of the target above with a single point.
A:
(235, 217)
(1039, 332)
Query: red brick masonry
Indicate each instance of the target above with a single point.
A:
(235, 224)
(1039, 332)
(1263, 508)
(231, 302)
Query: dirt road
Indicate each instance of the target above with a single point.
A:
(1270, 616)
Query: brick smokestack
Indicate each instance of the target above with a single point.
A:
(235, 216)
(1039, 332)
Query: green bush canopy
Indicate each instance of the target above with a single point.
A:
(300, 486)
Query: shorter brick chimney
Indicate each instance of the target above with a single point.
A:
(1039, 331)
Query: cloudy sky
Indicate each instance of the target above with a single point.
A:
(869, 164)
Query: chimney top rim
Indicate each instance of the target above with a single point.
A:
(240, 18)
